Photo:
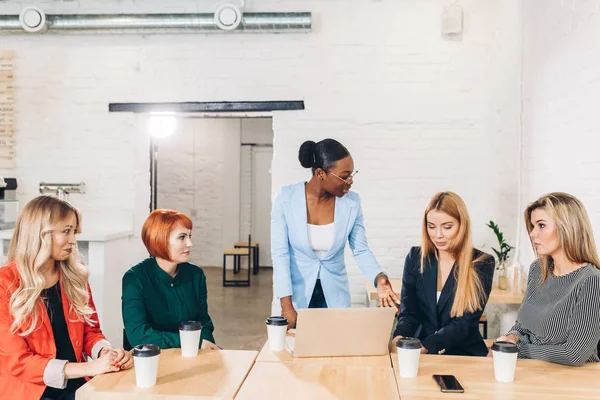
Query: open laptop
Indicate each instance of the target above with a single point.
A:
(329, 332)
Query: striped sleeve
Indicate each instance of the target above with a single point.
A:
(519, 332)
(582, 326)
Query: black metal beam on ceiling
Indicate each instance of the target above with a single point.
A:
(210, 106)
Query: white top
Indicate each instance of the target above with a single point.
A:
(438, 295)
(321, 238)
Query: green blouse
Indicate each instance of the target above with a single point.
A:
(154, 303)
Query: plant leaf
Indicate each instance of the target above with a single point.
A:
(498, 254)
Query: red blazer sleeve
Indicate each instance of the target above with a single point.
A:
(92, 333)
(15, 355)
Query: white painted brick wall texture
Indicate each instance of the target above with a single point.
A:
(419, 113)
(560, 104)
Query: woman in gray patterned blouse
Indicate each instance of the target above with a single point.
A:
(559, 320)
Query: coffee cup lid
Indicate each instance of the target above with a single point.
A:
(146, 350)
(190, 326)
(276, 320)
(505, 347)
(408, 343)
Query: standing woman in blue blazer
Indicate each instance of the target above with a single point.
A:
(310, 225)
(446, 283)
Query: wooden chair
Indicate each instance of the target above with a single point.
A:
(254, 246)
(237, 254)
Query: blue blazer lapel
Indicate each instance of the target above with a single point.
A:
(298, 206)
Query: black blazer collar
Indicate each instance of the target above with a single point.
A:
(430, 281)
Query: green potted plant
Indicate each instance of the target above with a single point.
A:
(502, 254)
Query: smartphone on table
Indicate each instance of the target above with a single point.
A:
(448, 384)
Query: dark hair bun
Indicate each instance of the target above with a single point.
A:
(306, 154)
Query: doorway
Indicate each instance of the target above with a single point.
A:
(217, 171)
(256, 159)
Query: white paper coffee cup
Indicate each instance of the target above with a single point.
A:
(189, 336)
(409, 354)
(505, 360)
(145, 362)
(276, 331)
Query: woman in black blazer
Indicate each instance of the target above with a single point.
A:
(446, 283)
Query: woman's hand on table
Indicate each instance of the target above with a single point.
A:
(103, 364)
(122, 359)
(291, 315)
(393, 344)
(208, 345)
(509, 338)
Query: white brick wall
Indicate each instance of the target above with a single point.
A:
(420, 114)
(561, 95)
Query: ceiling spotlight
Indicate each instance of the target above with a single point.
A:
(162, 125)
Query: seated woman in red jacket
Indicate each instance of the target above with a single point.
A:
(47, 316)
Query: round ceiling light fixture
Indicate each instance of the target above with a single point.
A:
(32, 19)
(228, 17)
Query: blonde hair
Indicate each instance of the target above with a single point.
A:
(469, 295)
(30, 249)
(573, 228)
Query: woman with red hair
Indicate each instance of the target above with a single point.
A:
(164, 289)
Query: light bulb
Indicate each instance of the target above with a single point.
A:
(161, 126)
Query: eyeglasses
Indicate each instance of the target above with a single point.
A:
(351, 176)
